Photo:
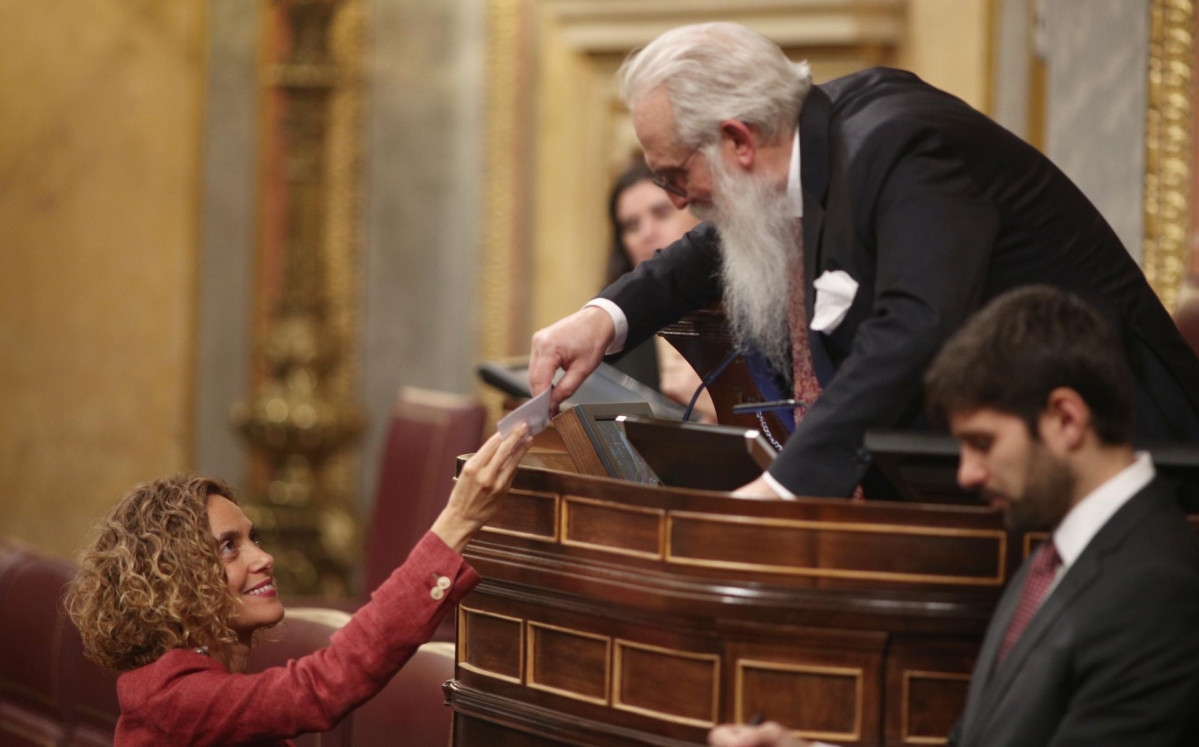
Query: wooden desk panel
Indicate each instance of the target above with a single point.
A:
(617, 614)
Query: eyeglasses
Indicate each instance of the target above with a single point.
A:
(665, 178)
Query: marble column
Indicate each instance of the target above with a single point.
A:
(1097, 55)
(424, 176)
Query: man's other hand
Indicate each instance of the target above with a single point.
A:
(769, 734)
(576, 344)
(759, 488)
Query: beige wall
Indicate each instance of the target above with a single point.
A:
(948, 44)
(101, 104)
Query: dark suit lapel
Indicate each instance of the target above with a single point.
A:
(1085, 571)
(983, 668)
(1082, 574)
(813, 179)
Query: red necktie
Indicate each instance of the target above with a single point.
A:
(806, 386)
(1041, 570)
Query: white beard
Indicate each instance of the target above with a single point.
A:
(753, 218)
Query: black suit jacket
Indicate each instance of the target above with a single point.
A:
(934, 209)
(1112, 656)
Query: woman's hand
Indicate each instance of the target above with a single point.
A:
(769, 734)
(483, 482)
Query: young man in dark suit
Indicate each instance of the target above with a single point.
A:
(1096, 639)
(852, 227)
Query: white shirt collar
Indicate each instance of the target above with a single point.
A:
(1089, 515)
(794, 189)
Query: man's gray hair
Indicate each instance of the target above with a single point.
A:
(718, 71)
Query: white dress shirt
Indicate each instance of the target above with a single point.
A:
(1089, 515)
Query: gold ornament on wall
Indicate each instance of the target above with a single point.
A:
(1168, 146)
(304, 415)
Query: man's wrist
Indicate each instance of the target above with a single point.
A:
(777, 486)
(620, 323)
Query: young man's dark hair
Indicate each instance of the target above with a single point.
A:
(1021, 347)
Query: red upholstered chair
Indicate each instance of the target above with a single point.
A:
(31, 711)
(303, 630)
(39, 659)
(410, 705)
(89, 692)
(429, 430)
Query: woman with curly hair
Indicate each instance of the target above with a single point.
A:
(175, 587)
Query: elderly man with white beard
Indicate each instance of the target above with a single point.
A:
(851, 228)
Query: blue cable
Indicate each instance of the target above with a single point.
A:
(708, 380)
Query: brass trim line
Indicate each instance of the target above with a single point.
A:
(531, 653)
(553, 539)
(464, 646)
(905, 705)
(564, 518)
(858, 673)
(619, 704)
(933, 578)
(1028, 539)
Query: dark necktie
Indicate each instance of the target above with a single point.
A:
(1041, 570)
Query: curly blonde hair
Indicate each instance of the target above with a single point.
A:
(153, 580)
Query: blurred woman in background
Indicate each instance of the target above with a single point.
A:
(643, 221)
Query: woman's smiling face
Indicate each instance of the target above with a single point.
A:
(248, 568)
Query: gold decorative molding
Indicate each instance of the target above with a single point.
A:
(500, 317)
(464, 644)
(857, 673)
(656, 514)
(1168, 146)
(303, 413)
(1026, 544)
(998, 535)
(530, 667)
(905, 703)
(616, 26)
(343, 255)
(558, 515)
(619, 703)
(555, 500)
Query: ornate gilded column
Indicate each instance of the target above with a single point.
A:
(503, 320)
(1168, 146)
(304, 413)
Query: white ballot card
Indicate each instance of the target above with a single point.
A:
(535, 412)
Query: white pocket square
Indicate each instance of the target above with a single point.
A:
(835, 290)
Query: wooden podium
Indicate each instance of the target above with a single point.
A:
(613, 613)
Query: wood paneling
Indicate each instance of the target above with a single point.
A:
(854, 623)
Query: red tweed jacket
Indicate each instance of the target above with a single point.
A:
(189, 698)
